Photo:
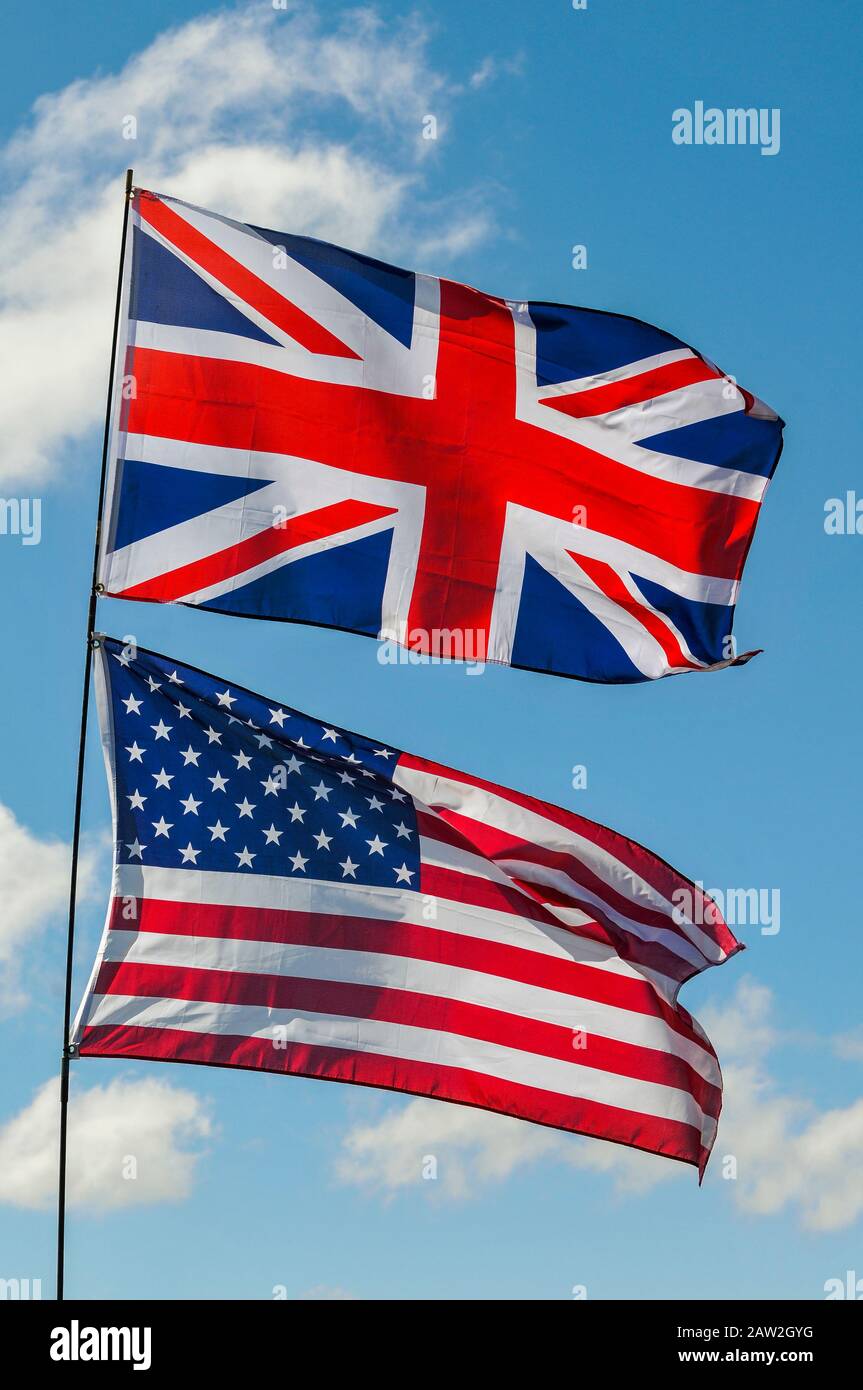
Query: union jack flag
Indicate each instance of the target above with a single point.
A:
(292, 897)
(304, 433)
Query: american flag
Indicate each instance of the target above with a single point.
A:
(291, 897)
(304, 433)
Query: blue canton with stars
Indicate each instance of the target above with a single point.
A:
(209, 776)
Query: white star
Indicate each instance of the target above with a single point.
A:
(244, 807)
(350, 758)
(324, 841)
(348, 867)
(122, 658)
(161, 730)
(329, 734)
(402, 832)
(404, 874)
(293, 764)
(278, 716)
(299, 742)
(218, 782)
(374, 803)
(396, 794)
(133, 706)
(263, 742)
(212, 736)
(174, 679)
(322, 791)
(162, 827)
(298, 861)
(154, 685)
(348, 818)
(226, 699)
(296, 811)
(244, 858)
(190, 756)
(163, 778)
(272, 836)
(135, 753)
(217, 831)
(136, 801)
(376, 846)
(136, 850)
(271, 787)
(383, 752)
(190, 804)
(190, 854)
(242, 760)
(184, 711)
(367, 772)
(347, 779)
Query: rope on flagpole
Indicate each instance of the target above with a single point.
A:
(68, 1052)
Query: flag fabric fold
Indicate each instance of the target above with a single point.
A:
(304, 433)
(292, 897)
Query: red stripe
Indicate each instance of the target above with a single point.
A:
(672, 1138)
(490, 842)
(609, 582)
(646, 386)
(647, 865)
(498, 897)
(242, 406)
(237, 559)
(409, 1008)
(241, 281)
(375, 936)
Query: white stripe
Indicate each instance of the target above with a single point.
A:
(444, 791)
(299, 486)
(442, 855)
(616, 433)
(547, 536)
(640, 645)
(384, 363)
(407, 1043)
(394, 971)
(614, 374)
(385, 904)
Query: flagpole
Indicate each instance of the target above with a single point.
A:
(79, 783)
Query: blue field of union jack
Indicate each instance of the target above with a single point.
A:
(303, 433)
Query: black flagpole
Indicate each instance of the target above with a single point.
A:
(79, 784)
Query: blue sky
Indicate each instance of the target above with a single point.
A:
(554, 129)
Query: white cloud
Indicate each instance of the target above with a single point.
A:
(849, 1046)
(484, 73)
(491, 68)
(147, 1128)
(234, 110)
(34, 888)
(791, 1157)
(472, 1148)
